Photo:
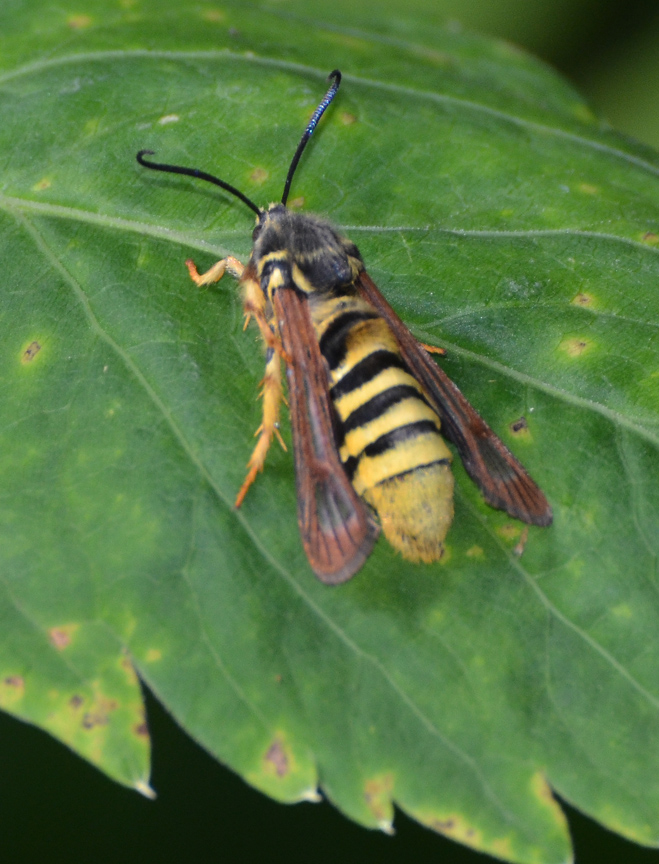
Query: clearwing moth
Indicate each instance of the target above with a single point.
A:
(367, 402)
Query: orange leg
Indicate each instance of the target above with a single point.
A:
(271, 393)
(432, 349)
(271, 388)
(216, 272)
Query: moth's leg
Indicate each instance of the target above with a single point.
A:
(216, 272)
(271, 387)
(271, 393)
(432, 349)
(254, 305)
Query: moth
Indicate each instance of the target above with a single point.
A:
(369, 407)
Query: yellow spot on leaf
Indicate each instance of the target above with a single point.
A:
(583, 299)
(650, 237)
(507, 212)
(509, 532)
(347, 118)
(588, 189)
(12, 690)
(153, 655)
(129, 669)
(623, 611)
(91, 126)
(583, 112)
(61, 637)
(79, 22)
(214, 15)
(447, 554)
(45, 183)
(453, 825)
(542, 791)
(168, 118)
(475, 552)
(296, 203)
(378, 794)
(437, 58)
(575, 346)
(30, 352)
(259, 176)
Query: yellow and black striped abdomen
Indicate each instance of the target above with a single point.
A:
(388, 435)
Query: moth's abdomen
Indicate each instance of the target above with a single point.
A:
(388, 435)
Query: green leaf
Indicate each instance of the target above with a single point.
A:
(504, 223)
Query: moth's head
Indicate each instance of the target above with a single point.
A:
(270, 217)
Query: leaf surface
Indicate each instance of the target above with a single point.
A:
(503, 222)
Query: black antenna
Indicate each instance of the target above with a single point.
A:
(335, 78)
(195, 172)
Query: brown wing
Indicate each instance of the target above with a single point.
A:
(337, 530)
(503, 481)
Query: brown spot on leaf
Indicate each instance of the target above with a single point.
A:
(475, 552)
(91, 719)
(61, 637)
(76, 701)
(42, 184)
(141, 730)
(259, 176)
(454, 826)
(277, 758)
(14, 681)
(99, 714)
(30, 352)
(650, 237)
(518, 426)
(347, 118)
(296, 203)
(583, 299)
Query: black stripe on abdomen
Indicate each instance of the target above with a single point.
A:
(389, 441)
(333, 341)
(365, 370)
(380, 404)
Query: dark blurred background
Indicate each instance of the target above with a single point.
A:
(609, 49)
(56, 808)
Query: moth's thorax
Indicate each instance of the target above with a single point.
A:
(304, 251)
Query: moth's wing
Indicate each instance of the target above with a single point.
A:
(504, 482)
(337, 529)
